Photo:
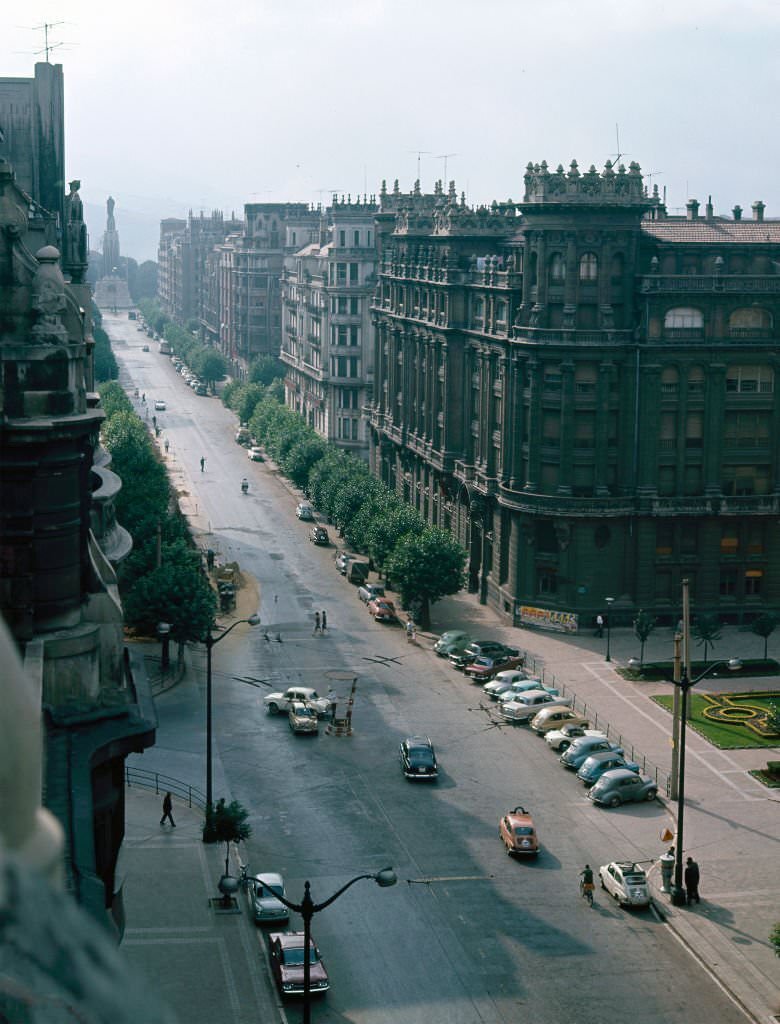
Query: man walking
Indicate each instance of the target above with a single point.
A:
(317, 627)
(324, 620)
(202, 463)
(167, 810)
(599, 626)
(692, 881)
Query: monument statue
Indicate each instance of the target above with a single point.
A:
(75, 234)
(110, 204)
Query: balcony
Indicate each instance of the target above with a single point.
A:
(766, 284)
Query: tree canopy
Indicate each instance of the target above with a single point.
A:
(425, 567)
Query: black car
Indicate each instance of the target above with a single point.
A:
(319, 535)
(481, 649)
(418, 759)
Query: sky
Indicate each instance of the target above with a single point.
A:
(171, 106)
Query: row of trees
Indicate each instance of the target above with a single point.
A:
(423, 561)
(162, 580)
(706, 630)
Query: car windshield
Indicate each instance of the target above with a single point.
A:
(524, 830)
(304, 712)
(265, 892)
(421, 754)
(293, 955)
(635, 879)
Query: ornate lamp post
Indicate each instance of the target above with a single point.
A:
(685, 684)
(209, 641)
(609, 601)
(307, 908)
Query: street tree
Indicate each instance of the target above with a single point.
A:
(210, 365)
(176, 592)
(386, 524)
(226, 823)
(424, 568)
(266, 369)
(706, 629)
(644, 624)
(764, 625)
(302, 457)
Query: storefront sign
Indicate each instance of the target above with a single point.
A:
(544, 618)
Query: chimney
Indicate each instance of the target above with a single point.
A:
(692, 206)
(708, 208)
(758, 210)
(737, 211)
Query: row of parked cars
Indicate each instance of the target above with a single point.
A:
(190, 378)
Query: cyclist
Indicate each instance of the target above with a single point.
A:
(586, 883)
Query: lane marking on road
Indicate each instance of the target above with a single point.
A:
(690, 752)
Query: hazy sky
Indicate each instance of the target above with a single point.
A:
(172, 105)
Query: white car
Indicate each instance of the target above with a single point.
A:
(303, 717)
(304, 511)
(159, 405)
(526, 705)
(501, 681)
(255, 454)
(626, 882)
(561, 739)
(278, 702)
(263, 892)
(523, 686)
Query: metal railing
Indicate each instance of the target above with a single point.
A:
(160, 783)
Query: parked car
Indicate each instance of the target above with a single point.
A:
(477, 649)
(486, 666)
(518, 834)
(524, 686)
(263, 892)
(144, 348)
(304, 511)
(561, 739)
(243, 435)
(451, 642)
(526, 705)
(554, 718)
(621, 786)
(503, 680)
(276, 702)
(382, 610)
(287, 952)
(303, 717)
(319, 535)
(418, 758)
(369, 591)
(255, 454)
(593, 767)
(583, 747)
(357, 573)
(201, 390)
(626, 882)
(343, 558)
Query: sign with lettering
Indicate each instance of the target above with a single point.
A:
(545, 618)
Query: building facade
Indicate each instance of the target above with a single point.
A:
(60, 538)
(581, 388)
(327, 336)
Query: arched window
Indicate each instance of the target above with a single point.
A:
(749, 322)
(589, 266)
(557, 268)
(683, 318)
(669, 381)
(696, 380)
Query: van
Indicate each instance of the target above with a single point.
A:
(357, 573)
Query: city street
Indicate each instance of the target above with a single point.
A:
(467, 935)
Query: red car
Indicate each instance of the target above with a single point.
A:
(516, 831)
(485, 667)
(286, 949)
(382, 610)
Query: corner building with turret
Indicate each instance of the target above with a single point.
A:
(581, 388)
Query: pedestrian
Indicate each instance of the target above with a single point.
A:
(143, 398)
(154, 421)
(166, 445)
(410, 632)
(599, 625)
(324, 620)
(167, 810)
(317, 626)
(202, 463)
(692, 880)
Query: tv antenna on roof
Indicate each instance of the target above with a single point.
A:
(619, 154)
(47, 46)
(331, 191)
(419, 152)
(444, 157)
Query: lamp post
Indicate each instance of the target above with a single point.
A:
(608, 601)
(209, 641)
(307, 908)
(685, 684)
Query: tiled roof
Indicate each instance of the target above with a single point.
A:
(722, 232)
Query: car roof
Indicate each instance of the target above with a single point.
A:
(418, 741)
(269, 878)
(289, 940)
(623, 773)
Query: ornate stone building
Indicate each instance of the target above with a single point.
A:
(58, 531)
(327, 342)
(582, 389)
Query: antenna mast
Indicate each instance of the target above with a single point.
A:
(445, 157)
(47, 46)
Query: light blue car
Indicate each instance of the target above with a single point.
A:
(574, 756)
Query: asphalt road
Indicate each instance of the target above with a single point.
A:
(467, 935)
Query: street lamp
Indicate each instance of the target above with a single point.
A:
(307, 908)
(685, 684)
(209, 641)
(608, 601)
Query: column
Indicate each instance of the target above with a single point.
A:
(714, 414)
(565, 457)
(601, 454)
(648, 429)
(533, 475)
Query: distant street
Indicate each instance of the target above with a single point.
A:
(468, 935)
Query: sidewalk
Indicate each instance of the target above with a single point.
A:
(206, 965)
(732, 822)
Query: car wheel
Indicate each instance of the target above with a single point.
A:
(614, 801)
(616, 898)
(564, 745)
(273, 708)
(602, 882)
(652, 794)
(508, 852)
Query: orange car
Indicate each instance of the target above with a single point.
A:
(516, 831)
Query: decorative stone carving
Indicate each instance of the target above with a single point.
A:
(75, 234)
(48, 298)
